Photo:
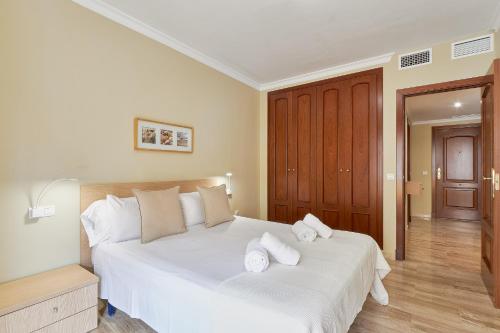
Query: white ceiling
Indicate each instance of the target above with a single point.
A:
(429, 108)
(262, 41)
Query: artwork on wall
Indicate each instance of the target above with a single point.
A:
(159, 136)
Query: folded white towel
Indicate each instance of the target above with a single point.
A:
(282, 252)
(303, 232)
(322, 229)
(256, 257)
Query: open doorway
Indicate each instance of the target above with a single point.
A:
(444, 165)
(489, 208)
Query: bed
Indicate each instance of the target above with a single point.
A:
(196, 281)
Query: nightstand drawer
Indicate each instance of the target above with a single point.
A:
(81, 322)
(43, 314)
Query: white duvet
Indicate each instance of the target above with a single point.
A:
(196, 281)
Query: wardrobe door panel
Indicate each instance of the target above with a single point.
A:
(331, 98)
(361, 223)
(280, 191)
(361, 145)
(362, 157)
(303, 173)
(331, 218)
(281, 135)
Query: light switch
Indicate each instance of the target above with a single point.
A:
(425, 173)
(390, 176)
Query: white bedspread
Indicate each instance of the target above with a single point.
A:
(196, 281)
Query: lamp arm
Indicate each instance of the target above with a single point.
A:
(49, 185)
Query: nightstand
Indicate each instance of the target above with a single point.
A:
(63, 300)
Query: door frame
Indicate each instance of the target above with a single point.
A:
(401, 95)
(408, 169)
(433, 163)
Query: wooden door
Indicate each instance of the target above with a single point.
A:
(457, 172)
(360, 139)
(280, 194)
(302, 169)
(487, 235)
(332, 98)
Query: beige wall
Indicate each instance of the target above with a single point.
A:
(442, 69)
(421, 160)
(71, 83)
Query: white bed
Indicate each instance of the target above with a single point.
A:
(196, 281)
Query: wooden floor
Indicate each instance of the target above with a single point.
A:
(437, 289)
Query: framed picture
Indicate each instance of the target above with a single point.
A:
(159, 136)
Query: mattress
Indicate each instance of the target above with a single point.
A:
(196, 281)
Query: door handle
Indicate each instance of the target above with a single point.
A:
(496, 179)
(495, 182)
(438, 173)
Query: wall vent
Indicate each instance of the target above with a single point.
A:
(415, 59)
(470, 47)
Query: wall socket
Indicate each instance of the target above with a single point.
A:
(42, 211)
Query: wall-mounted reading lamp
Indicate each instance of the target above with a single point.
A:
(228, 188)
(45, 211)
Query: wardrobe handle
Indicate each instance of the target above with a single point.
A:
(341, 170)
(347, 170)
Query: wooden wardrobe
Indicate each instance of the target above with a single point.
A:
(325, 153)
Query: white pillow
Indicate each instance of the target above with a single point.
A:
(192, 208)
(124, 218)
(95, 222)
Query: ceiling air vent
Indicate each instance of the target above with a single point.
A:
(470, 47)
(415, 59)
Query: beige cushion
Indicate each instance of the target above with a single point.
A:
(216, 204)
(161, 213)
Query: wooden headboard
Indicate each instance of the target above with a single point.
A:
(93, 192)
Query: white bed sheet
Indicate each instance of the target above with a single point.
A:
(196, 282)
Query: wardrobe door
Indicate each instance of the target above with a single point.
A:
(303, 155)
(360, 140)
(332, 98)
(279, 142)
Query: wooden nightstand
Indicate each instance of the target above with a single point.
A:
(63, 300)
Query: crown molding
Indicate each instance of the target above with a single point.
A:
(328, 72)
(102, 8)
(470, 117)
(130, 22)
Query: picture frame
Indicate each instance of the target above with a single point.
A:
(155, 135)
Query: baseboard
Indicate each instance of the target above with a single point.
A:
(422, 216)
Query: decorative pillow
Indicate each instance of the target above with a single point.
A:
(95, 222)
(216, 204)
(192, 208)
(161, 213)
(124, 218)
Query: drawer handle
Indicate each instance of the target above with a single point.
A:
(55, 309)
